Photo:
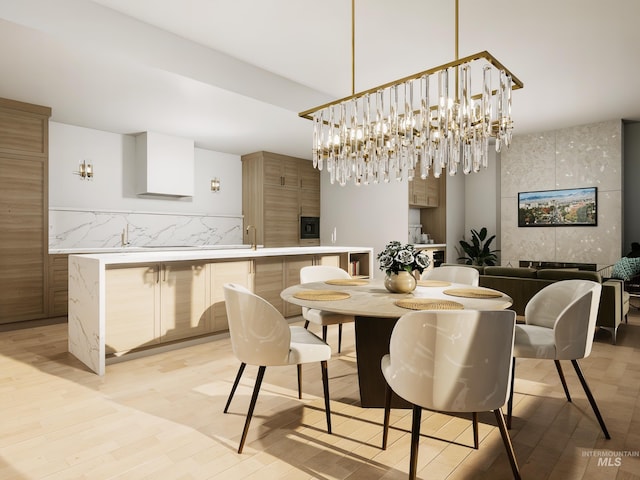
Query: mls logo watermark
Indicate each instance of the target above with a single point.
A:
(610, 458)
(609, 462)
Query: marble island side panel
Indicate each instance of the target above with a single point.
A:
(87, 311)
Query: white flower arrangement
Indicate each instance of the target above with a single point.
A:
(397, 257)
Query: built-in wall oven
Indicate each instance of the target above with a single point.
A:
(309, 227)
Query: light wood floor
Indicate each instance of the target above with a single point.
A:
(160, 417)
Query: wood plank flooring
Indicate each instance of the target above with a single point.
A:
(160, 417)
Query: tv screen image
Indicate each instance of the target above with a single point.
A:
(571, 207)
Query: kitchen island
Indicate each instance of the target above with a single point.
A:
(132, 301)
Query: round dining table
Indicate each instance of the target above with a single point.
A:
(376, 312)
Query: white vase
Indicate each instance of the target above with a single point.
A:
(401, 282)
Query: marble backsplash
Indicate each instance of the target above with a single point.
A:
(91, 229)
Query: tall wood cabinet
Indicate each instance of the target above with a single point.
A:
(24, 151)
(276, 191)
(424, 192)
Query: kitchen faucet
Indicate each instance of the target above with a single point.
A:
(124, 237)
(254, 245)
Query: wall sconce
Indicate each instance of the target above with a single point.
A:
(85, 170)
(215, 185)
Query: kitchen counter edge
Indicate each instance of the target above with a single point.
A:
(159, 255)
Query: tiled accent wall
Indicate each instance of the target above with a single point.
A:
(90, 229)
(583, 156)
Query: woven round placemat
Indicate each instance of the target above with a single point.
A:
(433, 283)
(428, 304)
(473, 293)
(347, 281)
(321, 295)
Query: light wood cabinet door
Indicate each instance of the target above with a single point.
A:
(418, 192)
(272, 171)
(309, 190)
(24, 212)
(269, 280)
(183, 300)
(23, 128)
(280, 171)
(290, 174)
(276, 191)
(132, 308)
(433, 191)
(23, 239)
(424, 193)
(58, 285)
(292, 267)
(240, 273)
(281, 219)
(329, 260)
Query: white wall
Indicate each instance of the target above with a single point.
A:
(482, 200)
(373, 215)
(455, 214)
(113, 187)
(85, 214)
(366, 215)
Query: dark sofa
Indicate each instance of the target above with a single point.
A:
(523, 283)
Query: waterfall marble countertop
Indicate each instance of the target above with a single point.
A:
(168, 254)
(87, 315)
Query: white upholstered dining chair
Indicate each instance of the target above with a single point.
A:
(454, 274)
(261, 336)
(560, 321)
(320, 273)
(451, 361)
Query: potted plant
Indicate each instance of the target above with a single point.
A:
(399, 262)
(479, 252)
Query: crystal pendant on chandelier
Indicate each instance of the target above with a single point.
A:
(423, 125)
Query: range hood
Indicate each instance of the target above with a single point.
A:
(164, 165)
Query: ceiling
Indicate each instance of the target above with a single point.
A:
(233, 75)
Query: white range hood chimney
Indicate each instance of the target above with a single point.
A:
(164, 165)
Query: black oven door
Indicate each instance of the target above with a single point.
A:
(309, 227)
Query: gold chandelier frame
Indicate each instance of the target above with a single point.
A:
(517, 83)
(455, 129)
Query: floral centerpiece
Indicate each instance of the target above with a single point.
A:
(399, 262)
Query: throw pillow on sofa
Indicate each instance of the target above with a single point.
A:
(626, 268)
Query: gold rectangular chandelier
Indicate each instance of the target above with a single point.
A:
(421, 124)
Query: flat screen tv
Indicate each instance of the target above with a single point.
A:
(572, 207)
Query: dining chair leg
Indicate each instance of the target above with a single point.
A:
(339, 337)
(415, 439)
(235, 385)
(561, 375)
(592, 400)
(325, 385)
(306, 324)
(510, 402)
(507, 443)
(324, 333)
(300, 381)
(474, 419)
(252, 405)
(387, 411)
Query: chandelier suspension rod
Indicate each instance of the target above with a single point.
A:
(353, 47)
(456, 32)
